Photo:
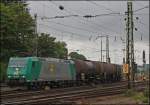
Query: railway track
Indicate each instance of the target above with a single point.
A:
(15, 93)
(39, 92)
(12, 91)
(3, 85)
(69, 95)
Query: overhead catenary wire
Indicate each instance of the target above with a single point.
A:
(75, 34)
(98, 5)
(121, 14)
(99, 26)
(108, 9)
(79, 21)
(84, 16)
(70, 26)
(55, 17)
(88, 15)
(141, 8)
(51, 27)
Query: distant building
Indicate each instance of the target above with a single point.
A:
(139, 69)
(146, 67)
(142, 69)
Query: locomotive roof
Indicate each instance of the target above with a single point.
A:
(54, 59)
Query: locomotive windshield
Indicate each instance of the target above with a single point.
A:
(17, 63)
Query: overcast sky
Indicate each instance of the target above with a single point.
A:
(81, 33)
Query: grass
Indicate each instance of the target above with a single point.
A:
(142, 97)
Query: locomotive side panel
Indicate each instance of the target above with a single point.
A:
(54, 71)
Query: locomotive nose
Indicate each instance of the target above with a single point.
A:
(17, 73)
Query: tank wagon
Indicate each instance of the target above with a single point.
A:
(40, 72)
(97, 72)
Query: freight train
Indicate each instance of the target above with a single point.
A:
(37, 72)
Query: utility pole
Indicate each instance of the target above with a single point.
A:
(144, 61)
(36, 38)
(101, 51)
(130, 45)
(132, 63)
(107, 50)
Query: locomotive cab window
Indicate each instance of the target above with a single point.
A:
(17, 63)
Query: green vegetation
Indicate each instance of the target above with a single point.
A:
(75, 55)
(60, 50)
(138, 96)
(48, 47)
(16, 30)
(2, 71)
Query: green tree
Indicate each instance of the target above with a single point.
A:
(17, 30)
(48, 47)
(60, 50)
(75, 55)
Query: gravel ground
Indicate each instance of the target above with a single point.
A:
(115, 99)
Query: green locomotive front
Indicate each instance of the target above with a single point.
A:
(22, 69)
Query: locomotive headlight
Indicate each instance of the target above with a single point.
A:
(16, 72)
(17, 69)
(23, 76)
(9, 76)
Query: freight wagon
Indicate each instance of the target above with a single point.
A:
(36, 72)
